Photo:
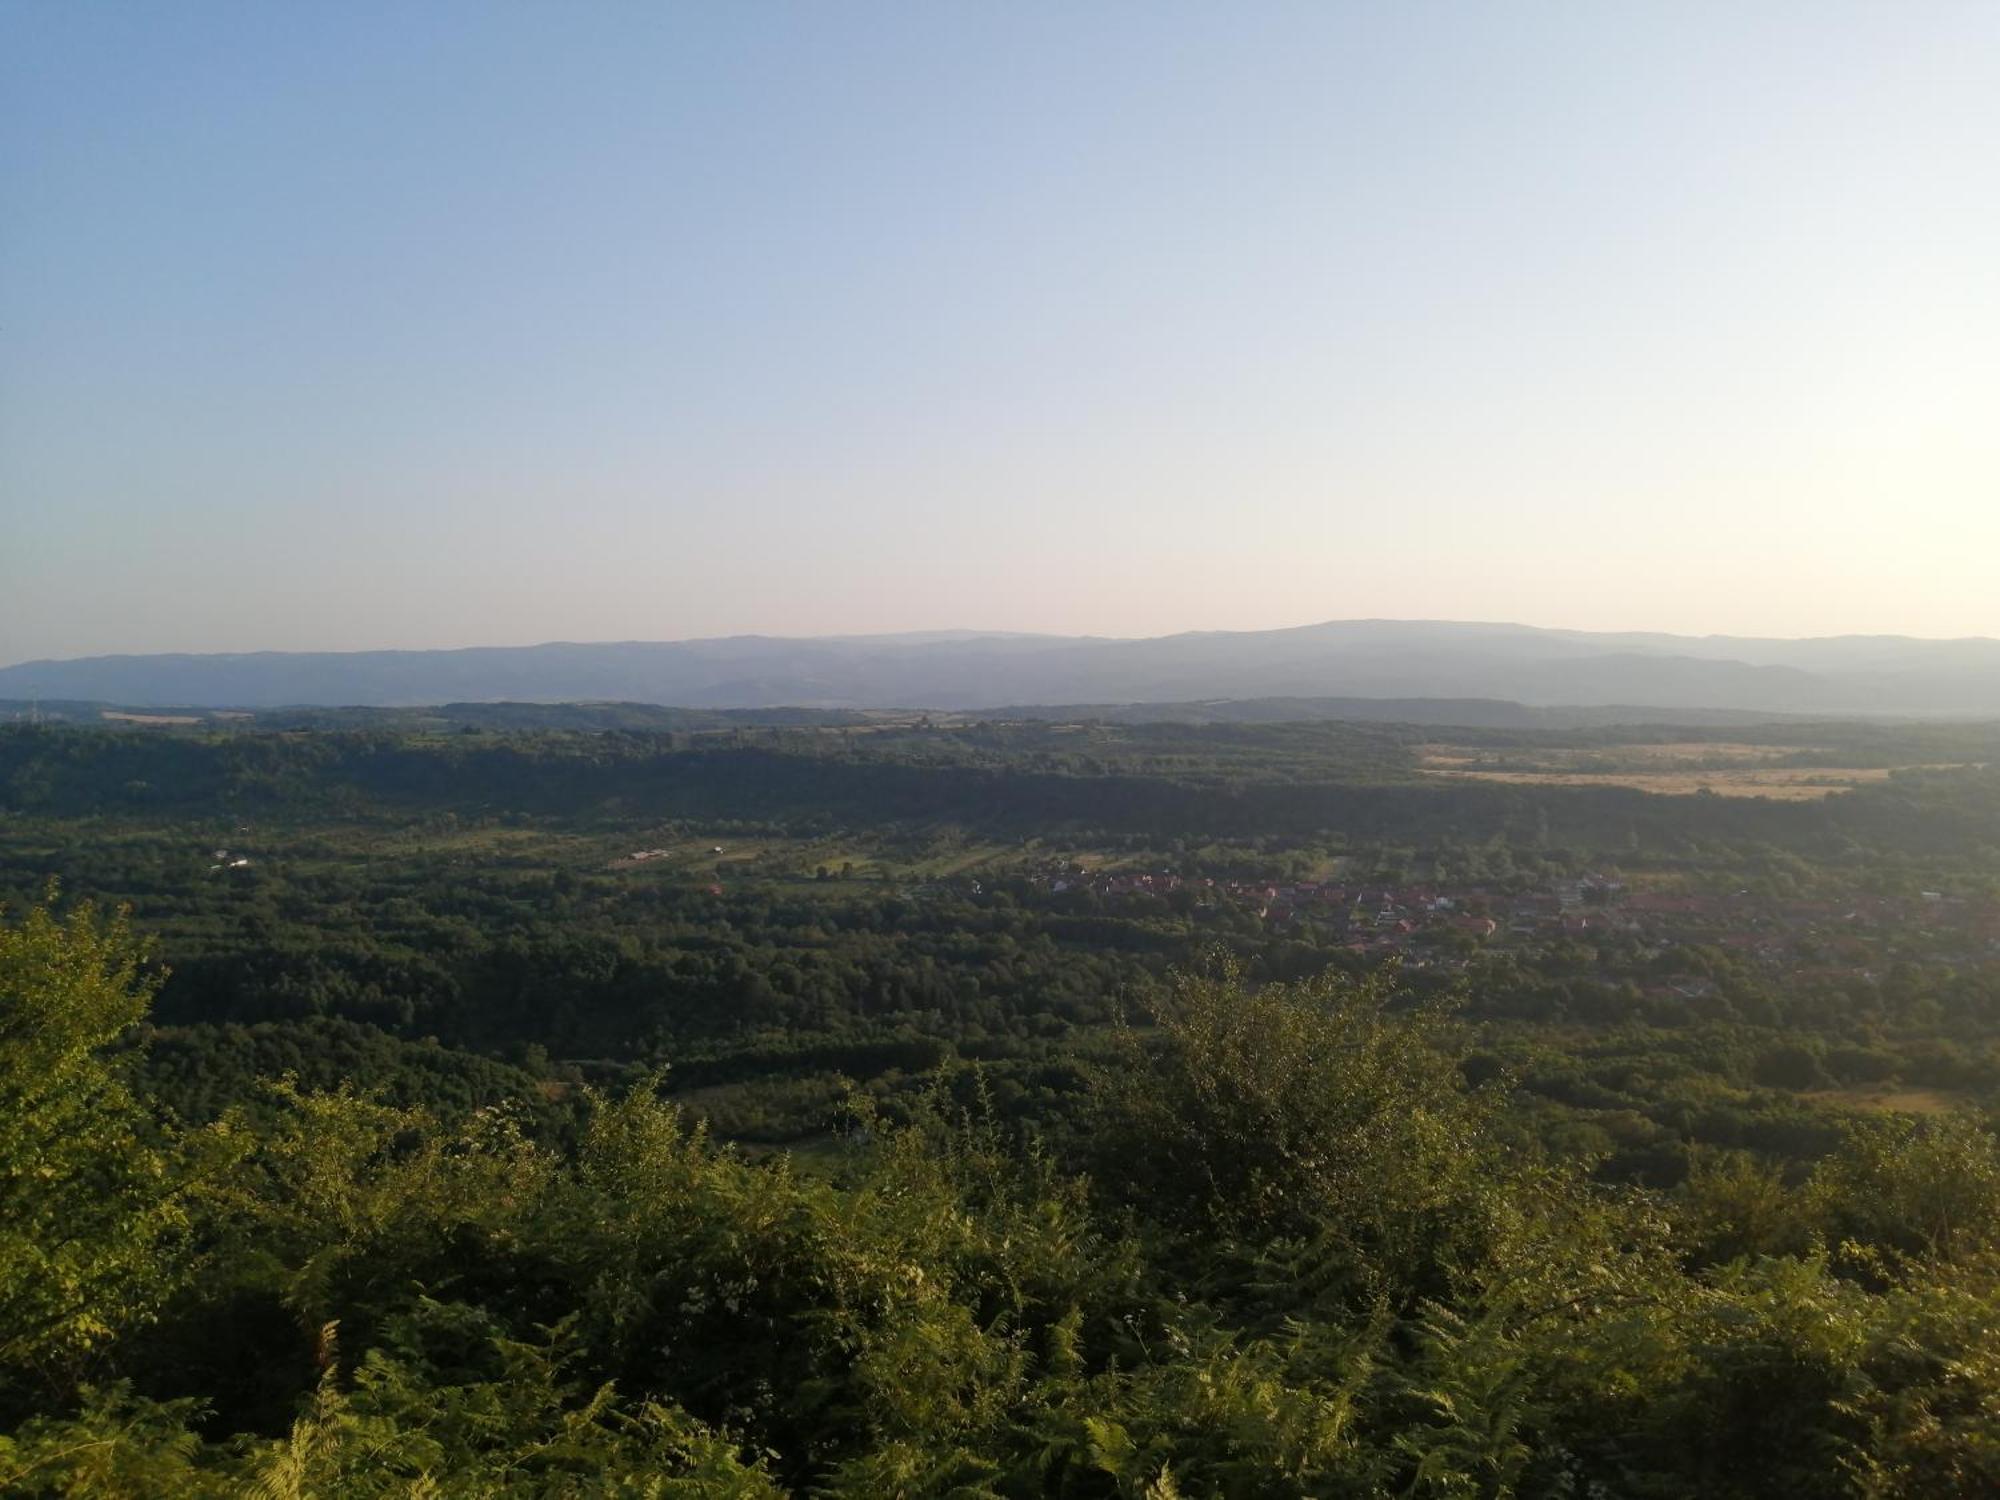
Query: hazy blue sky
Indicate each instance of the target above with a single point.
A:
(352, 325)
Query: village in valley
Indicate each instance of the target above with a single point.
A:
(1595, 923)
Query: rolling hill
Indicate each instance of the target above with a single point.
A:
(1350, 659)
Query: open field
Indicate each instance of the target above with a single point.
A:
(1790, 773)
(1665, 755)
(1785, 783)
(1889, 1098)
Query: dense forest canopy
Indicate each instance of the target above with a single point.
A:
(998, 1108)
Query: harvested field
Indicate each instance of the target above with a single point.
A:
(1664, 755)
(1674, 768)
(1784, 783)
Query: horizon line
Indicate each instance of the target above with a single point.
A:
(950, 634)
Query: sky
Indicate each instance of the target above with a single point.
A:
(383, 325)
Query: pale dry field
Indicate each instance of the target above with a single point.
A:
(1669, 768)
(1667, 754)
(1889, 1099)
(1783, 783)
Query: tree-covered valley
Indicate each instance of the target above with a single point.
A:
(880, 1106)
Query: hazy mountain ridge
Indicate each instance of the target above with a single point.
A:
(1357, 659)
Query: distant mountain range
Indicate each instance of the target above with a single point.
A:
(1346, 659)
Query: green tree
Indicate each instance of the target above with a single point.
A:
(94, 1191)
(1326, 1111)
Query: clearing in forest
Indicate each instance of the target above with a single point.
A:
(1675, 769)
